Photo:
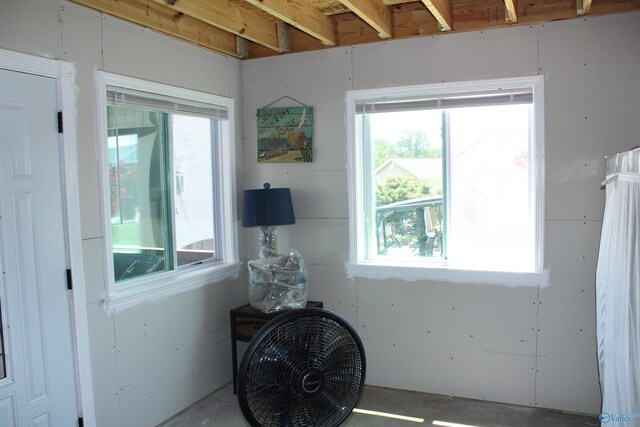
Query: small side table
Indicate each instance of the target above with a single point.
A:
(245, 324)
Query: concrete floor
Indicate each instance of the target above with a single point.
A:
(221, 409)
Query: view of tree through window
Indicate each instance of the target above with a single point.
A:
(453, 184)
(408, 182)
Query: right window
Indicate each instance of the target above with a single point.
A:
(447, 177)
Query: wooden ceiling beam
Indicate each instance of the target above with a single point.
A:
(511, 11)
(229, 17)
(374, 13)
(303, 16)
(166, 21)
(442, 11)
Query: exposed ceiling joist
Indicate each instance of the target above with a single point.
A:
(164, 20)
(229, 17)
(374, 13)
(303, 16)
(511, 11)
(441, 10)
(260, 28)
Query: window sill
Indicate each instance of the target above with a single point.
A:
(440, 273)
(151, 289)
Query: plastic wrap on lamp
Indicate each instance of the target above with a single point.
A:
(278, 283)
(268, 241)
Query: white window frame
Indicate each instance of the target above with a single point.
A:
(357, 167)
(146, 288)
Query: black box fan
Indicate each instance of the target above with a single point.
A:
(304, 368)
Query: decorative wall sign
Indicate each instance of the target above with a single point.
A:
(285, 134)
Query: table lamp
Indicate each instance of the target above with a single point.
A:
(276, 282)
(267, 208)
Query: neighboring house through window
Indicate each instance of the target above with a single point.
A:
(167, 162)
(447, 181)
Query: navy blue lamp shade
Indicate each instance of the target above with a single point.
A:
(267, 206)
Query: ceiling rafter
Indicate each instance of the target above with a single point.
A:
(260, 28)
(167, 21)
(442, 11)
(229, 17)
(303, 16)
(374, 13)
(511, 11)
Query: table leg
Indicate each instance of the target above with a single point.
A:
(234, 355)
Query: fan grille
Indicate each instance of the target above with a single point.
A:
(307, 369)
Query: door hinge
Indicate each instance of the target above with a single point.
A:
(69, 279)
(59, 121)
(80, 422)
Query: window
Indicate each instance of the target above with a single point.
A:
(446, 181)
(168, 187)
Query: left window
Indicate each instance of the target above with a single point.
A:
(167, 172)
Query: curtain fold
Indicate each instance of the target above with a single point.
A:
(617, 292)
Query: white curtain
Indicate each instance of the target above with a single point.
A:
(618, 292)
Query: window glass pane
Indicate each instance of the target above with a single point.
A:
(407, 181)
(490, 206)
(193, 166)
(138, 191)
(491, 216)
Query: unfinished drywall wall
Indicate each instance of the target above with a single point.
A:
(519, 345)
(153, 360)
(525, 345)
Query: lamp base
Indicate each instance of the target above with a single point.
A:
(268, 241)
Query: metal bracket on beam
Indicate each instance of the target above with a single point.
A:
(511, 11)
(282, 30)
(507, 18)
(242, 48)
(583, 7)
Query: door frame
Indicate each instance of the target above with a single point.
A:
(64, 72)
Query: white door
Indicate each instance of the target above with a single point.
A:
(37, 373)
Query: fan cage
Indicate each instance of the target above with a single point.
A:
(304, 368)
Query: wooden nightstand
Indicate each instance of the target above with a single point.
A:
(245, 324)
